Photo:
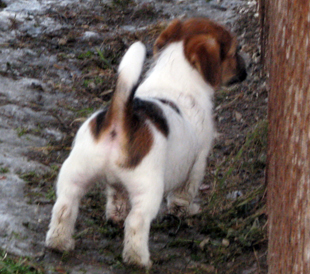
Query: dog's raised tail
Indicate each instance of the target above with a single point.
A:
(129, 72)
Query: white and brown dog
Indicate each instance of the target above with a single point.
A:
(153, 140)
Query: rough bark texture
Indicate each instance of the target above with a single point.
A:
(287, 30)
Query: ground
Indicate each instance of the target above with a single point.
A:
(58, 63)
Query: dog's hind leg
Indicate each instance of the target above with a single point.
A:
(77, 174)
(145, 203)
(70, 190)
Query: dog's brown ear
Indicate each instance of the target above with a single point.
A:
(171, 34)
(203, 52)
(230, 48)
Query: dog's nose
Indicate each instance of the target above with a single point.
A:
(242, 75)
(239, 77)
(149, 53)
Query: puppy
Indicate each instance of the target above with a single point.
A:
(153, 140)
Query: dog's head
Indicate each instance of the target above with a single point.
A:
(209, 47)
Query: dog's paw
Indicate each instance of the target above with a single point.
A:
(194, 209)
(59, 242)
(131, 257)
(181, 210)
(116, 215)
(117, 207)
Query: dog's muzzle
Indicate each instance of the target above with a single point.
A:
(241, 72)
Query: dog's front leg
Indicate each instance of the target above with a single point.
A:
(117, 206)
(145, 204)
(181, 201)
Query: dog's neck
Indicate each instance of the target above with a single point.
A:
(172, 76)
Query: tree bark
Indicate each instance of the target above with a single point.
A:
(287, 49)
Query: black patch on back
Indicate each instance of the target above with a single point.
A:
(152, 112)
(99, 123)
(170, 104)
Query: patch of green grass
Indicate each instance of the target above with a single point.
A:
(35, 178)
(66, 256)
(15, 265)
(55, 167)
(110, 231)
(85, 112)
(88, 83)
(242, 221)
(29, 176)
(51, 194)
(85, 55)
(2, 4)
(181, 242)
(40, 185)
(105, 60)
(63, 56)
(21, 131)
(82, 112)
(4, 170)
(251, 155)
(122, 3)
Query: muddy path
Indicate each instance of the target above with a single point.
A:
(57, 65)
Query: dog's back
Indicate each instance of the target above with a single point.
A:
(191, 127)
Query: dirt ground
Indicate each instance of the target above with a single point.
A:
(57, 65)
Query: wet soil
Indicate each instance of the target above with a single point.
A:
(58, 64)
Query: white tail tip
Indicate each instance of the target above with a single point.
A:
(131, 65)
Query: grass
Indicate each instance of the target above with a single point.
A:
(2, 4)
(85, 112)
(51, 194)
(85, 55)
(40, 185)
(87, 83)
(102, 56)
(232, 226)
(107, 63)
(12, 265)
(251, 156)
(122, 3)
(4, 170)
(21, 131)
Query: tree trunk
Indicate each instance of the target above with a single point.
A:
(287, 30)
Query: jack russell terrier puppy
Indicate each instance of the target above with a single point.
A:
(153, 140)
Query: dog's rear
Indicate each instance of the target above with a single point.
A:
(113, 125)
(103, 141)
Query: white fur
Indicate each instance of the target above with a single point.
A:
(173, 168)
(132, 63)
